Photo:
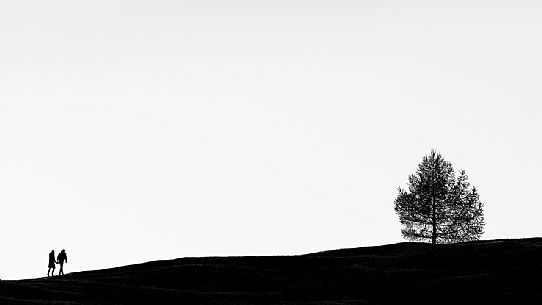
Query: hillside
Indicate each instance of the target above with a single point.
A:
(503, 271)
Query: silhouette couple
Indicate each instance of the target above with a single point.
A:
(61, 258)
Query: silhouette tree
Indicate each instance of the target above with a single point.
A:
(439, 207)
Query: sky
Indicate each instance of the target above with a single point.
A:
(133, 131)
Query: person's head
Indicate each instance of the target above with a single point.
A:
(63, 251)
(53, 251)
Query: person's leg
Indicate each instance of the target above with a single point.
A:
(61, 271)
(48, 270)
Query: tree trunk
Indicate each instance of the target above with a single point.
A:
(434, 219)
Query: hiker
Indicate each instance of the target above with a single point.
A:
(52, 263)
(60, 260)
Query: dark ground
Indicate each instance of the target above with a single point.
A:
(486, 272)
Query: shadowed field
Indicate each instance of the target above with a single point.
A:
(503, 271)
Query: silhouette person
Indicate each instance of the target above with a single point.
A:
(52, 263)
(60, 260)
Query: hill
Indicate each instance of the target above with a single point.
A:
(501, 271)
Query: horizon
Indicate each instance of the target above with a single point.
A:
(135, 132)
(289, 255)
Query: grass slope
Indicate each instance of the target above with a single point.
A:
(501, 271)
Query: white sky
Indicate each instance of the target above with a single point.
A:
(140, 130)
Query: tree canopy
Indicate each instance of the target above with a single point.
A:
(438, 206)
